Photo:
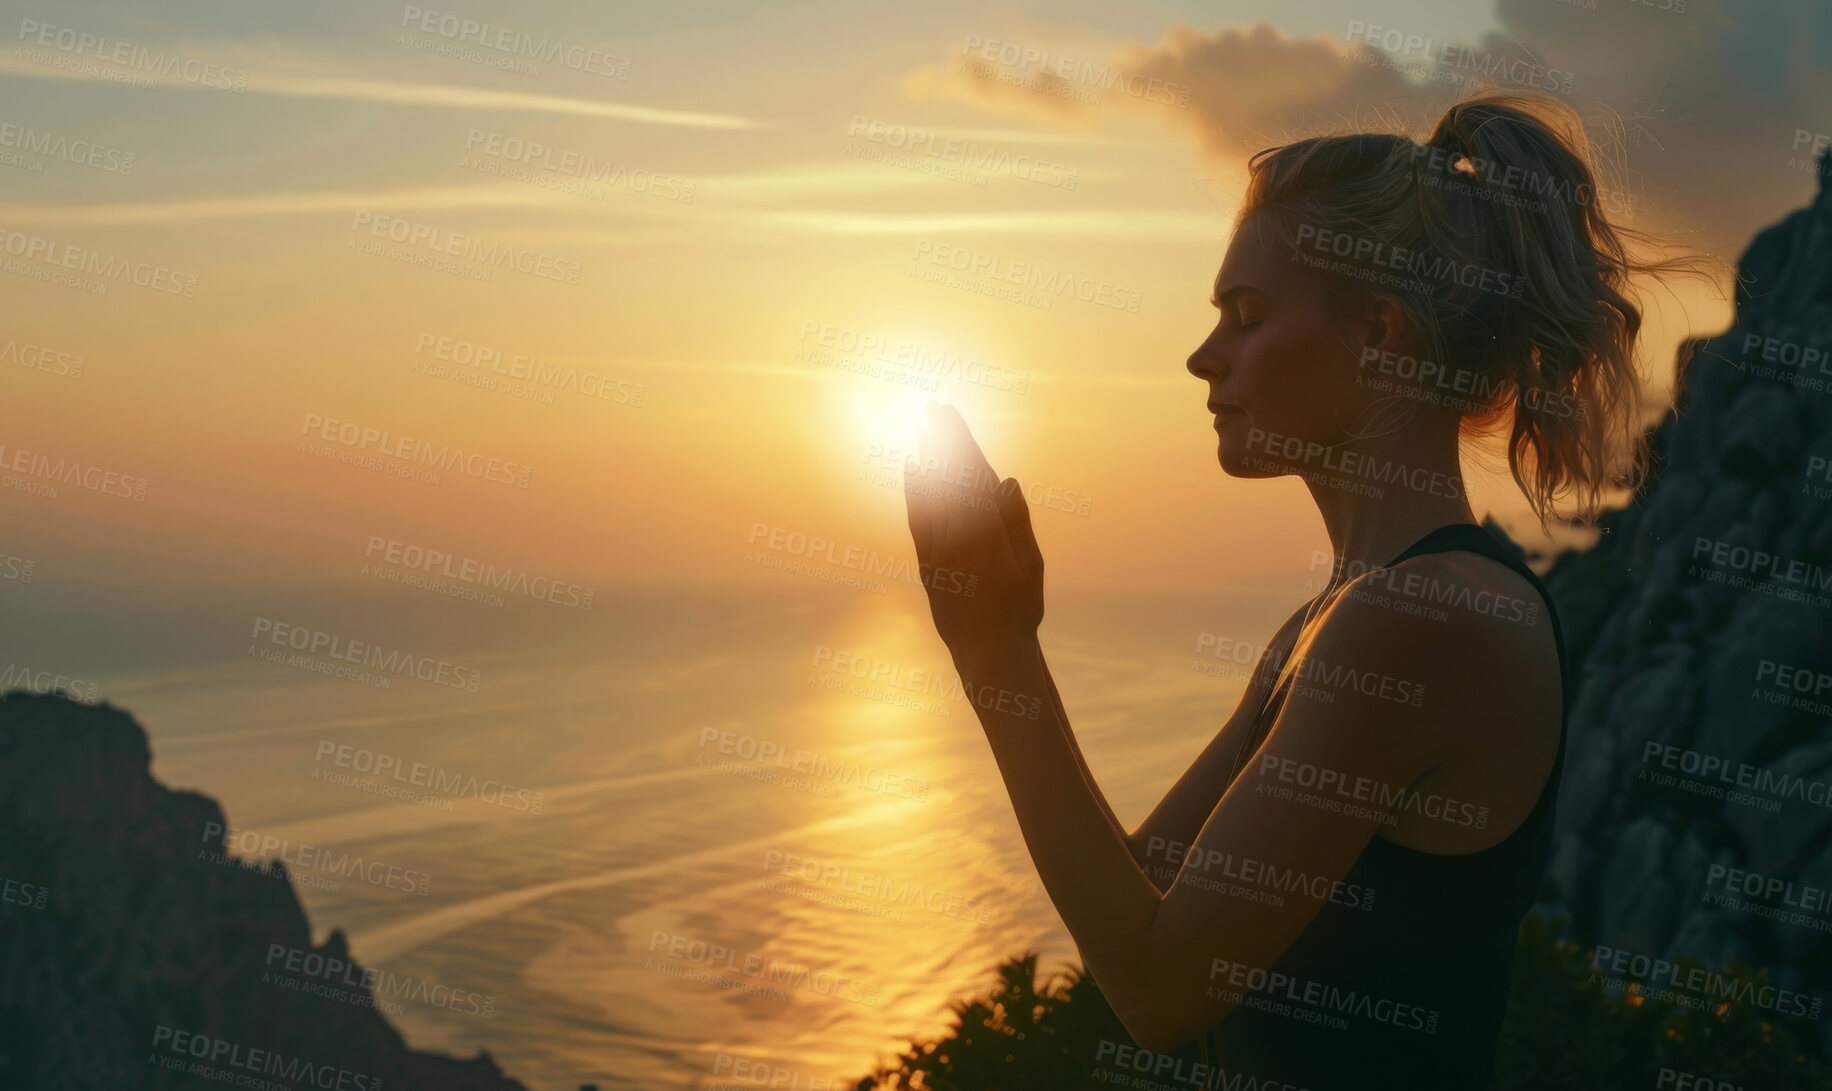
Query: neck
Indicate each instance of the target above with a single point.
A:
(1372, 510)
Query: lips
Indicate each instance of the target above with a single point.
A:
(1225, 415)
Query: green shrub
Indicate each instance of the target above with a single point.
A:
(1564, 1032)
(1021, 1036)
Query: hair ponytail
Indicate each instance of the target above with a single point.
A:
(1516, 275)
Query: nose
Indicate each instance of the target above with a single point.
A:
(1206, 361)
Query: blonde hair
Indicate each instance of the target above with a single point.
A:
(1514, 272)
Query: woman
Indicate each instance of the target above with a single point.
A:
(1329, 896)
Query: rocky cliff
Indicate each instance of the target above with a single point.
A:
(129, 960)
(1701, 631)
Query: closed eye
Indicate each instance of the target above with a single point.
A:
(1229, 303)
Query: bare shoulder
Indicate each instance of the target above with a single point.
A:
(1477, 606)
(1468, 635)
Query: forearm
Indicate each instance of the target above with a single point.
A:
(1087, 775)
(1081, 853)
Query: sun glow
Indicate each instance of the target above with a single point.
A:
(888, 420)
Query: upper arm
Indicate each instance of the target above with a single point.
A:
(1379, 695)
(1173, 823)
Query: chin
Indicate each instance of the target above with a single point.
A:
(1237, 461)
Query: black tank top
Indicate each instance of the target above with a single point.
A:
(1410, 990)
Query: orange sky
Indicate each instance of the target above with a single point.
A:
(722, 221)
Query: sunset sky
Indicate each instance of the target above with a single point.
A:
(743, 200)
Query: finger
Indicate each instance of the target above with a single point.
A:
(955, 441)
(1018, 524)
(946, 532)
(916, 503)
(935, 492)
(930, 496)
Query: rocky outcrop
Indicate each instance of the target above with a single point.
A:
(118, 933)
(1700, 629)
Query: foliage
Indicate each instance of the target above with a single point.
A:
(1565, 1031)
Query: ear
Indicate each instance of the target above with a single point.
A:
(1382, 325)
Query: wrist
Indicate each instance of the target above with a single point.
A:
(991, 660)
(1007, 685)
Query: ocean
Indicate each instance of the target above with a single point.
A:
(687, 838)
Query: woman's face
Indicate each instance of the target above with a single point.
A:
(1282, 373)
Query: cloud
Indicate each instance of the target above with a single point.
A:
(1121, 223)
(470, 98)
(1232, 87)
(1697, 111)
(1714, 97)
(265, 205)
(661, 224)
(1250, 87)
(438, 95)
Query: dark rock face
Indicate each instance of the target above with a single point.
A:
(112, 928)
(1700, 631)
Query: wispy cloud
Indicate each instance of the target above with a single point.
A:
(470, 98)
(439, 95)
(1123, 223)
(815, 179)
(262, 205)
